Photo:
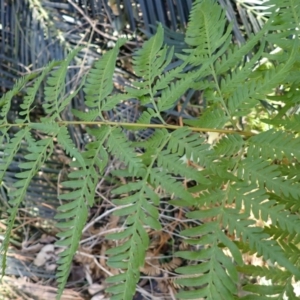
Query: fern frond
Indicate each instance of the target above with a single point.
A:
(46, 127)
(118, 145)
(266, 175)
(130, 255)
(31, 92)
(39, 152)
(149, 61)
(159, 178)
(6, 99)
(284, 291)
(10, 150)
(184, 142)
(113, 100)
(87, 116)
(247, 96)
(145, 117)
(257, 239)
(279, 234)
(74, 215)
(155, 141)
(67, 100)
(99, 81)
(291, 204)
(206, 34)
(55, 88)
(275, 145)
(246, 194)
(83, 180)
(287, 16)
(214, 275)
(65, 140)
(275, 274)
(292, 250)
(208, 39)
(271, 210)
(213, 117)
(172, 93)
(242, 100)
(242, 195)
(149, 64)
(210, 197)
(229, 145)
(174, 164)
(230, 59)
(164, 80)
(238, 73)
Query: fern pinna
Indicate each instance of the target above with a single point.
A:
(246, 189)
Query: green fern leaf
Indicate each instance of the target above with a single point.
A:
(67, 100)
(206, 33)
(70, 237)
(145, 118)
(150, 63)
(149, 213)
(275, 145)
(174, 164)
(46, 127)
(159, 178)
(242, 100)
(213, 117)
(210, 197)
(10, 150)
(31, 92)
(229, 145)
(265, 290)
(164, 80)
(290, 124)
(260, 171)
(239, 74)
(184, 142)
(99, 82)
(172, 93)
(276, 213)
(39, 151)
(6, 99)
(257, 240)
(55, 88)
(113, 100)
(150, 55)
(131, 254)
(292, 250)
(272, 273)
(279, 234)
(213, 266)
(242, 185)
(119, 146)
(245, 195)
(87, 116)
(65, 140)
(230, 59)
(83, 181)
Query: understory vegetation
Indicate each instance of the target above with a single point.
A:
(211, 191)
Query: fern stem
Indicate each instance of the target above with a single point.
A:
(220, 92)
(133, 125)
(157, 110)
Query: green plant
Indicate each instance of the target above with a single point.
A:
(245, 177)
